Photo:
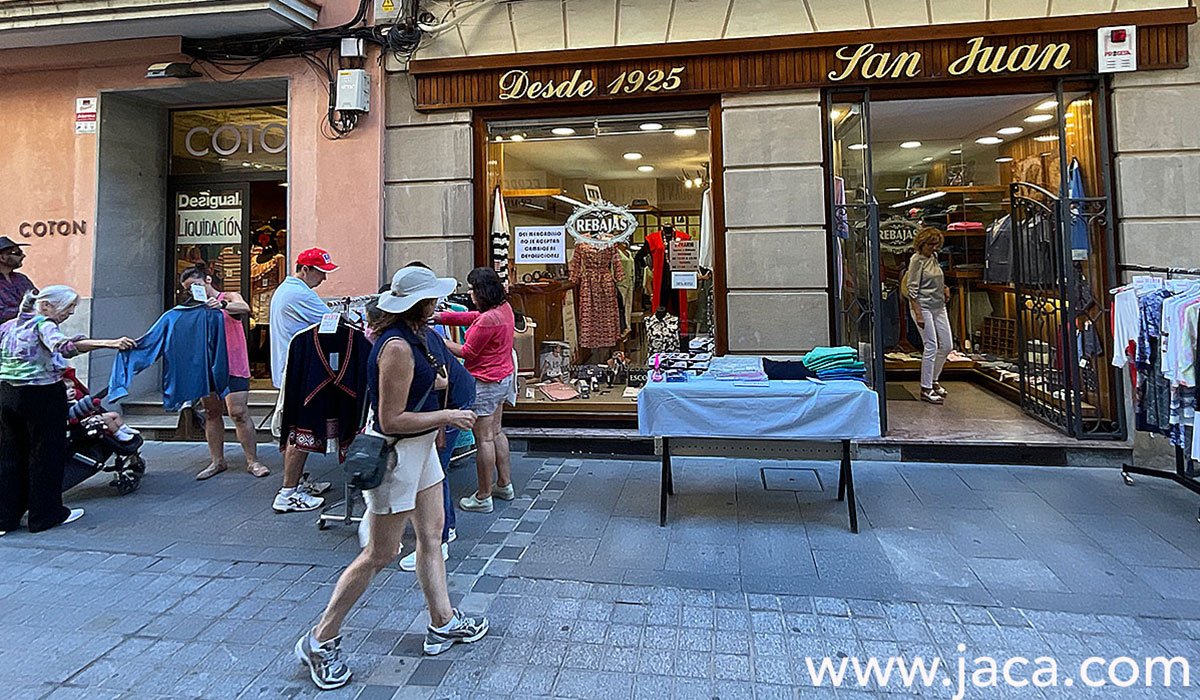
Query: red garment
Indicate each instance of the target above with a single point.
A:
(660, 289)
(595, 273)
(488, 348)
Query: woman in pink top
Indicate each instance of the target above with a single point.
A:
(487, 352)
(234, 307)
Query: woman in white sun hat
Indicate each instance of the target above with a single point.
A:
(403, 379)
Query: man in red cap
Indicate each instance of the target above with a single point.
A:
(294, 307)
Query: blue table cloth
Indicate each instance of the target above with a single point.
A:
(781, 410)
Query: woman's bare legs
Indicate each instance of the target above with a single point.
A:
(493, 465)
(239, 410)
(381, 549)
(500, 447)
(214, 434)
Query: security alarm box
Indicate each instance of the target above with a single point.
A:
(353, 90)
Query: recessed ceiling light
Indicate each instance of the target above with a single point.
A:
(927, 159)
(1010, 130)
(1048, 104)
(698, 182)
(857, 146)
(989, 140)
(685, 133)
(1046, 137)
(956, 152)
(650, 126)
(911, 144)
(1039, 118)
(687, 184)
(633, 155)
(499, 139)
(562, 131)
(1004, 159)
(645, 168)
(517, 137)
(835, 113)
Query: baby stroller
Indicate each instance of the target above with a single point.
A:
(91, 446)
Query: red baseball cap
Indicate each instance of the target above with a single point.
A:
(315, 257)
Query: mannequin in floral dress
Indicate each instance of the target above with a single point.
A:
(595, 272)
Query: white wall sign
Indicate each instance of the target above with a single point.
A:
(684, 280)
(1117, 47)
(540, 245)
(204, 218)
(85, 115)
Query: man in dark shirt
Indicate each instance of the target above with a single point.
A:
(13, 284)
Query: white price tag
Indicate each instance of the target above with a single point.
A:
(329, 322)
(684, 280)
(199, 294)
(334, 361)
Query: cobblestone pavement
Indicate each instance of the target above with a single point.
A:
(190, 590)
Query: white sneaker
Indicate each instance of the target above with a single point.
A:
(75, 514)
(452, 535)
(505, 493)
(298, 502)
(475, 505)
(409, 563)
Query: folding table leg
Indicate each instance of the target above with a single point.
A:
(664, 482)
(848, 475)
(842, 473)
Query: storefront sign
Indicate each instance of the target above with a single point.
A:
(228, 139)
(685, 256)
(518, 85)
(52, 227)
(896, 235)
(540, 245)
(1117, 48)
(207, 218)
(866, 63)
(85, 115)
(601, 224)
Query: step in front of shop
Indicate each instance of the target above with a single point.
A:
(147, 415)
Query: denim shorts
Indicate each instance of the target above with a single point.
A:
(489, 395)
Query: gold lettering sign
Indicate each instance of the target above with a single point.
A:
(518, 85)
(868, 64)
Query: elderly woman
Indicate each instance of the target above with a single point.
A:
(926, 289)
(33, 408)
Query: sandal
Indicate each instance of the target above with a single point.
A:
(931, 396)
(939, 390)
(258, 469)
(211, 470)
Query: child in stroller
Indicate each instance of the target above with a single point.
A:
(94, 435)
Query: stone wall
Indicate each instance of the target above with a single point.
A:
(427, 190)
(776, 257)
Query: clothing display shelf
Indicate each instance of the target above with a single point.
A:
(1181, 474)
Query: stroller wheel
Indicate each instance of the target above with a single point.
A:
(138, 465)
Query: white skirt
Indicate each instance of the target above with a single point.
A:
(412, 466)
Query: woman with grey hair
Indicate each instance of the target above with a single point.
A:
(33, 408)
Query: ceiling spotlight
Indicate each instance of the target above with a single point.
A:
(1048, 104)
(927, 159)
(645, 168)
(688, 184)
(1046, 137)
(857, 146)
(499, 139)
(632, 155)
(685, 133)
(245, 164)
(956, 152)
(835, 113)
(1039, 118)
(698, 182)
(1010, 130)
(919, 198)
(517, 137)
(562, 131)
(1004, 159)
(650, 126)
(911, 144)
(989, 140)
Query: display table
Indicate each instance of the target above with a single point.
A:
(781, 410)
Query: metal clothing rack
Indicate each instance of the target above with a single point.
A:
(1181, 473)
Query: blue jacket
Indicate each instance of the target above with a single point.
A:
(191, 341)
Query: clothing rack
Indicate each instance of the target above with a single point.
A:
(1181, 473)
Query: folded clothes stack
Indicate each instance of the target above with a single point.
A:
(835, 363)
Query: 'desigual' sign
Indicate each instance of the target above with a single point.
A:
(203, 218)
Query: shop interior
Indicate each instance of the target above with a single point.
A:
(599, 314)
(248, 160)
(949, 163)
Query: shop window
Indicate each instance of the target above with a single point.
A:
(229, 140)
(601, 308)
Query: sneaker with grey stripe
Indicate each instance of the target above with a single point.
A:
(462, 629)
(324, 661)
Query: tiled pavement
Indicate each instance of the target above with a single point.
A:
(189, 590)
